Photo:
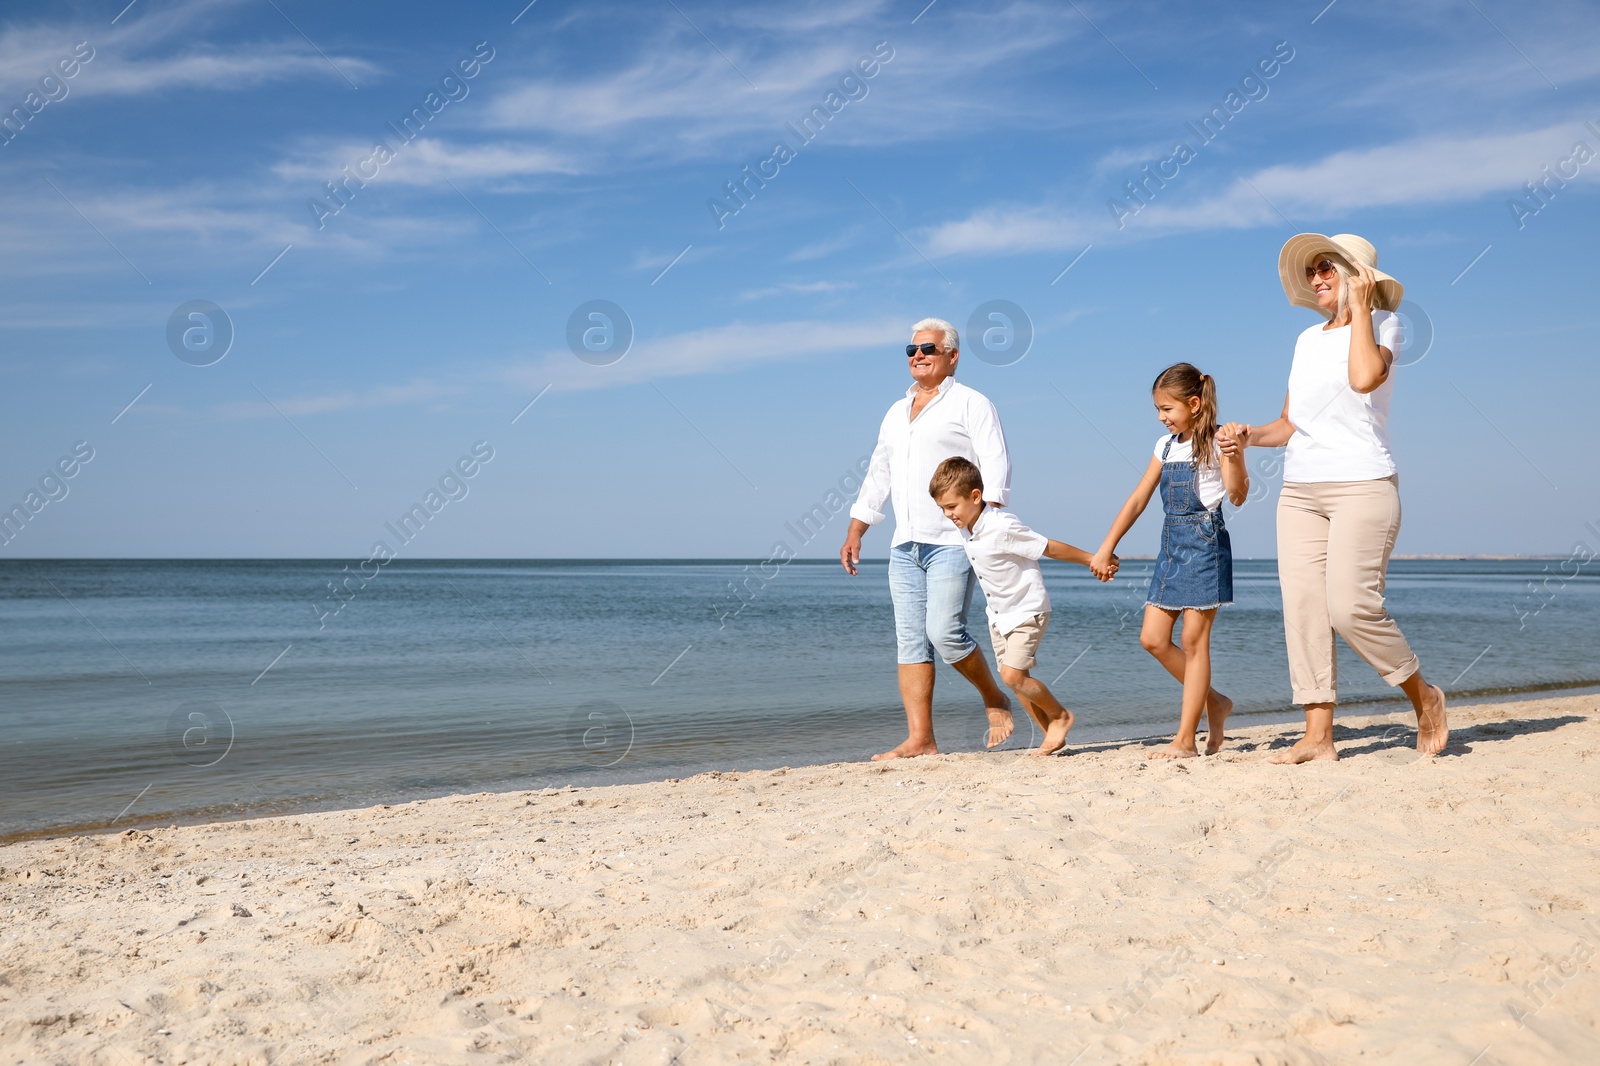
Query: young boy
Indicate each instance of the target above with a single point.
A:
(1005, 556)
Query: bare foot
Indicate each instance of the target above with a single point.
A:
(1055, 735)
(1001, 726)
(1305, 750)
(908, 750)
(1433, 729)
(1174, 751)
(1217, 711)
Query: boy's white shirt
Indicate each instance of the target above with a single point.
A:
(1005, 555)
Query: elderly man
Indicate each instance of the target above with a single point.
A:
(930, 579)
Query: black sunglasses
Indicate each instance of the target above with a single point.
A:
(925, 349)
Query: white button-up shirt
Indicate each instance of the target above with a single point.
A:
(1005, 556)
(958, 421)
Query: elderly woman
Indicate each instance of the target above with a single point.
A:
(1339, 512)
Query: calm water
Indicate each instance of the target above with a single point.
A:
(138, 691)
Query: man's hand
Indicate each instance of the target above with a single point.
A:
(850, 554)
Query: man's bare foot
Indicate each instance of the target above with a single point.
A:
(1305, 750)
(1055, 736)
(908, 750)
(1217, 711)
(1174, 751)
(1001, 726)
(1433, 729)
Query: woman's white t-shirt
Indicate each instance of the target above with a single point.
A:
(1339, 433)
(1207, 479)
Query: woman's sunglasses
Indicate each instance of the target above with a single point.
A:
(1323, 268)
(925, 349)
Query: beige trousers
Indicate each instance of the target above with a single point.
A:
(1334, 540)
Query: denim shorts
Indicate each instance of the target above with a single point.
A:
(931, 586)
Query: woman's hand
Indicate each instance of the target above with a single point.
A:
(1360, 286)
(1233, 439)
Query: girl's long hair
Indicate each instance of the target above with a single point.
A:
(1184, 382)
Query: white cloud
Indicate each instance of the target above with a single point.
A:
(705, 351)
(135, 57)
(414, 392)
(801, 287)
(1425, 170)
(426, 161)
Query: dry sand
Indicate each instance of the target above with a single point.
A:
(1092, 908)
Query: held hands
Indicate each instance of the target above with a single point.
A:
(1104, 565)
(1233, 439)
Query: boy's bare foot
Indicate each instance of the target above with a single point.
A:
(1433, 729)
(1305, 750)
(1217, 711)
(1001, 726)
(1174, 751)
(1055, 735)
(910, 749)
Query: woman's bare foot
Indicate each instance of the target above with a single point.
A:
(1174, 751)
(1306, 750)
(1217, 711)
(1433, 728)
(1055, 736)
(1001, 726)
(910, 749)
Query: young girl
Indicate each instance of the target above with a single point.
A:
(1194, 571)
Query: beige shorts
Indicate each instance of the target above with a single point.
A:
(1018, 649)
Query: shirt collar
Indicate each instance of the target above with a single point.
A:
(944, 387)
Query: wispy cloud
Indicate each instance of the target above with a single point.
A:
(410, 394)
(716, 349)
(798, 287)
(1426, 170)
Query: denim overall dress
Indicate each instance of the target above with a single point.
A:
(1195, 566)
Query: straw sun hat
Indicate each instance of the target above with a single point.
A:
(1304, 249)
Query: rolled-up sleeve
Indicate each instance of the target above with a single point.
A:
(989, 445)
(874, 492)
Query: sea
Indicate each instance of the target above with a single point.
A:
(145, 692)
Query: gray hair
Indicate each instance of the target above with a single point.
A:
(952, 339)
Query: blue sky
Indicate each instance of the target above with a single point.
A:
(373, 346)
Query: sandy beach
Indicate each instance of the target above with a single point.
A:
(1092, 908)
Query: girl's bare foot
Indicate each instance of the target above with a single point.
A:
(1001, 726)
(1433, 729)
(1305, 750)
(1174, 751)
(908, 750)
(1055, 736)
(1218, 707)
